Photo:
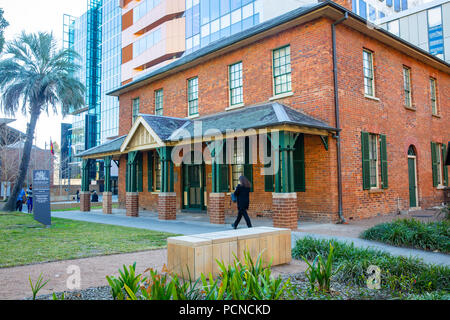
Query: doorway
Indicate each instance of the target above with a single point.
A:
(194, 182)
(412, 177)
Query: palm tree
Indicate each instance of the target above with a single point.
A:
(36, 74)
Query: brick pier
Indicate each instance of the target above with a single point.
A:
(85, 201)
(132, 204)
(216, 208)
(285, 211)
(167, 206)
(107, 202)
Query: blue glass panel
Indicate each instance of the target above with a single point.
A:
(204, 6)
(226, 32)
(404, 5)
(436, 40)
(397, 5)
(381, 14)
(224, 7)
(196, 20)
(247, 23)
(237, 27)
(215, 9)
(372, 13)
(235, 4)
(354, 6)
(389, 3)
(204, 41)
(363, 9)
(189, 16)
(256, 19)
(215, 36)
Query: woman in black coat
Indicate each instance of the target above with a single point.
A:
(242, 193)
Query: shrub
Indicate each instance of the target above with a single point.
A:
(410, 274)
(238, 281)
(319, 273)
(412, 233)
(127, 279)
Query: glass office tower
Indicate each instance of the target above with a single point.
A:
(96, 37)
(211, 20)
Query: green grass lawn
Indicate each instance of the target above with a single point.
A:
(25, 241)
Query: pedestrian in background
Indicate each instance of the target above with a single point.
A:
(21, 198)
(30, 199)
(242, 194)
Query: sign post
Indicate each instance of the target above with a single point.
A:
(41, 196)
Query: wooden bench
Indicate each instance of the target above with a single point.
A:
(197, 254)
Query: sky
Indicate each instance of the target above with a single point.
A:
(33, 16)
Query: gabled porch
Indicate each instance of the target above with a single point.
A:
(171, 164)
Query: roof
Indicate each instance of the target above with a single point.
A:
(170, 129)
(253, 117)
(6, 121)
(163, 126)
(260, 28)
(20, 145)
(108, 147)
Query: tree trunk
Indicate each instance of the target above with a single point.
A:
(18, 184)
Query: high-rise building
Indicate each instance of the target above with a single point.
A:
(96, 37)
(155, 32)
(426, 26)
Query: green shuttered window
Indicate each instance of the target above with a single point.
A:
(139, 172)
(299, 164)
(372, 162)
(269, 179)
(150, 187)
(440, 172)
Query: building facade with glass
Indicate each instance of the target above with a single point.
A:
(426, 26)
(96, 37)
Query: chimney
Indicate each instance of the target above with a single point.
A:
(344, 3)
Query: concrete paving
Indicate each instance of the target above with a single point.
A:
(195, 223)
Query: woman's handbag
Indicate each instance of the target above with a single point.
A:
(233, 197)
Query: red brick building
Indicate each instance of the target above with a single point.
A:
(366, 138)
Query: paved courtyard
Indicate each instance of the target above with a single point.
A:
(195, 223)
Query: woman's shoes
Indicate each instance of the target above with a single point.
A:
(233, 226)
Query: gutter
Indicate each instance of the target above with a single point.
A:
(337, 116)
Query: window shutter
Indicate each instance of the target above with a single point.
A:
(444, 154)
(434, 164)
(268, 179)
(223, 171)
(139, 172)
(150, 171)
(248, 167)
(127, 176)
(365, 160)
(384, 164)
(223, 168)
(299, 164)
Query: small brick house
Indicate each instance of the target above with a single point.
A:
(330, 118)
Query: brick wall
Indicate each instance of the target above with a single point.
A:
(312, 83)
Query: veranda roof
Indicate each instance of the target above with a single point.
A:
(151, 131)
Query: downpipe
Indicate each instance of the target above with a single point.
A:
(337, 116)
